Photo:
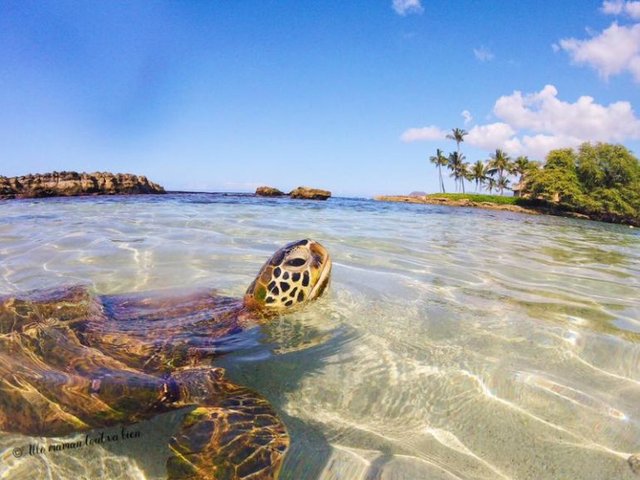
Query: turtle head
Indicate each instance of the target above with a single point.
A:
(296, 274)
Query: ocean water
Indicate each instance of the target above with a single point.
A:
(452, 344)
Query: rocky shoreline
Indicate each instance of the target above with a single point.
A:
(457, 203)
(531, 210)
(68, 184)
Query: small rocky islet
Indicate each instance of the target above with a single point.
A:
(68, 184)
(305, 193)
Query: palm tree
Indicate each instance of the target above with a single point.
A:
(441, 161)
(499, 163)
(457, 134)
(503, 182)
(478, 173)
(522, 166)
(519, 167)
(464, 172)
(455, 164)
(491, 183)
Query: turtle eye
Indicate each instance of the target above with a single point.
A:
(296, 262)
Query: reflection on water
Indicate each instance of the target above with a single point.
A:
(455, 343)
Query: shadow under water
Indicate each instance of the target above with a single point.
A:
(301, 348)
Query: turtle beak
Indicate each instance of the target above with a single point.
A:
(323, 262)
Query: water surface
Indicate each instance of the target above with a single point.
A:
(454, 343)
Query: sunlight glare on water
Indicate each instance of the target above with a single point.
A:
(454, 343)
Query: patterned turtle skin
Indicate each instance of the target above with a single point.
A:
(71, 361)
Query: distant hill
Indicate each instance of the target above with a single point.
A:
(67, 184)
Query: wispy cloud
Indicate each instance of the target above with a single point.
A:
(468, 118)
(483, 54)
(614, 51)
(424, 133)
(621, 7)
(535, 123)
(407, 7)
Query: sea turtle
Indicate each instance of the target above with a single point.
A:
(72, 361)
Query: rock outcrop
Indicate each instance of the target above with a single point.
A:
(66, 184)
(308, 193)
(269, 192)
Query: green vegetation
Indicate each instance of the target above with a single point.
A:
(440, 161)
(478, 173)
(492, 174)
(601, 181)
(457, 135)
(459, 168)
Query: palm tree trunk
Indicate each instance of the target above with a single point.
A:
(440, 174)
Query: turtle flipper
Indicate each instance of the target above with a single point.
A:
(233, 433)
(52, 384)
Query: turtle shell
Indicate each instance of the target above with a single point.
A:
(71, 361)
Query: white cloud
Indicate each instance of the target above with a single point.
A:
(483, 54)
(620, 7)
(535, 123)
(537, 146)
(491, 136)
(616, 50)
(406, 7)
(468, 118)
(425, 133)
(543, 112)
(614, 7)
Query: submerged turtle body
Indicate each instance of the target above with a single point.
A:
(71, 361)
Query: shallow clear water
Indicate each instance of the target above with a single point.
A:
(454, 343)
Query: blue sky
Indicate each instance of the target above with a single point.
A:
(352, 96)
